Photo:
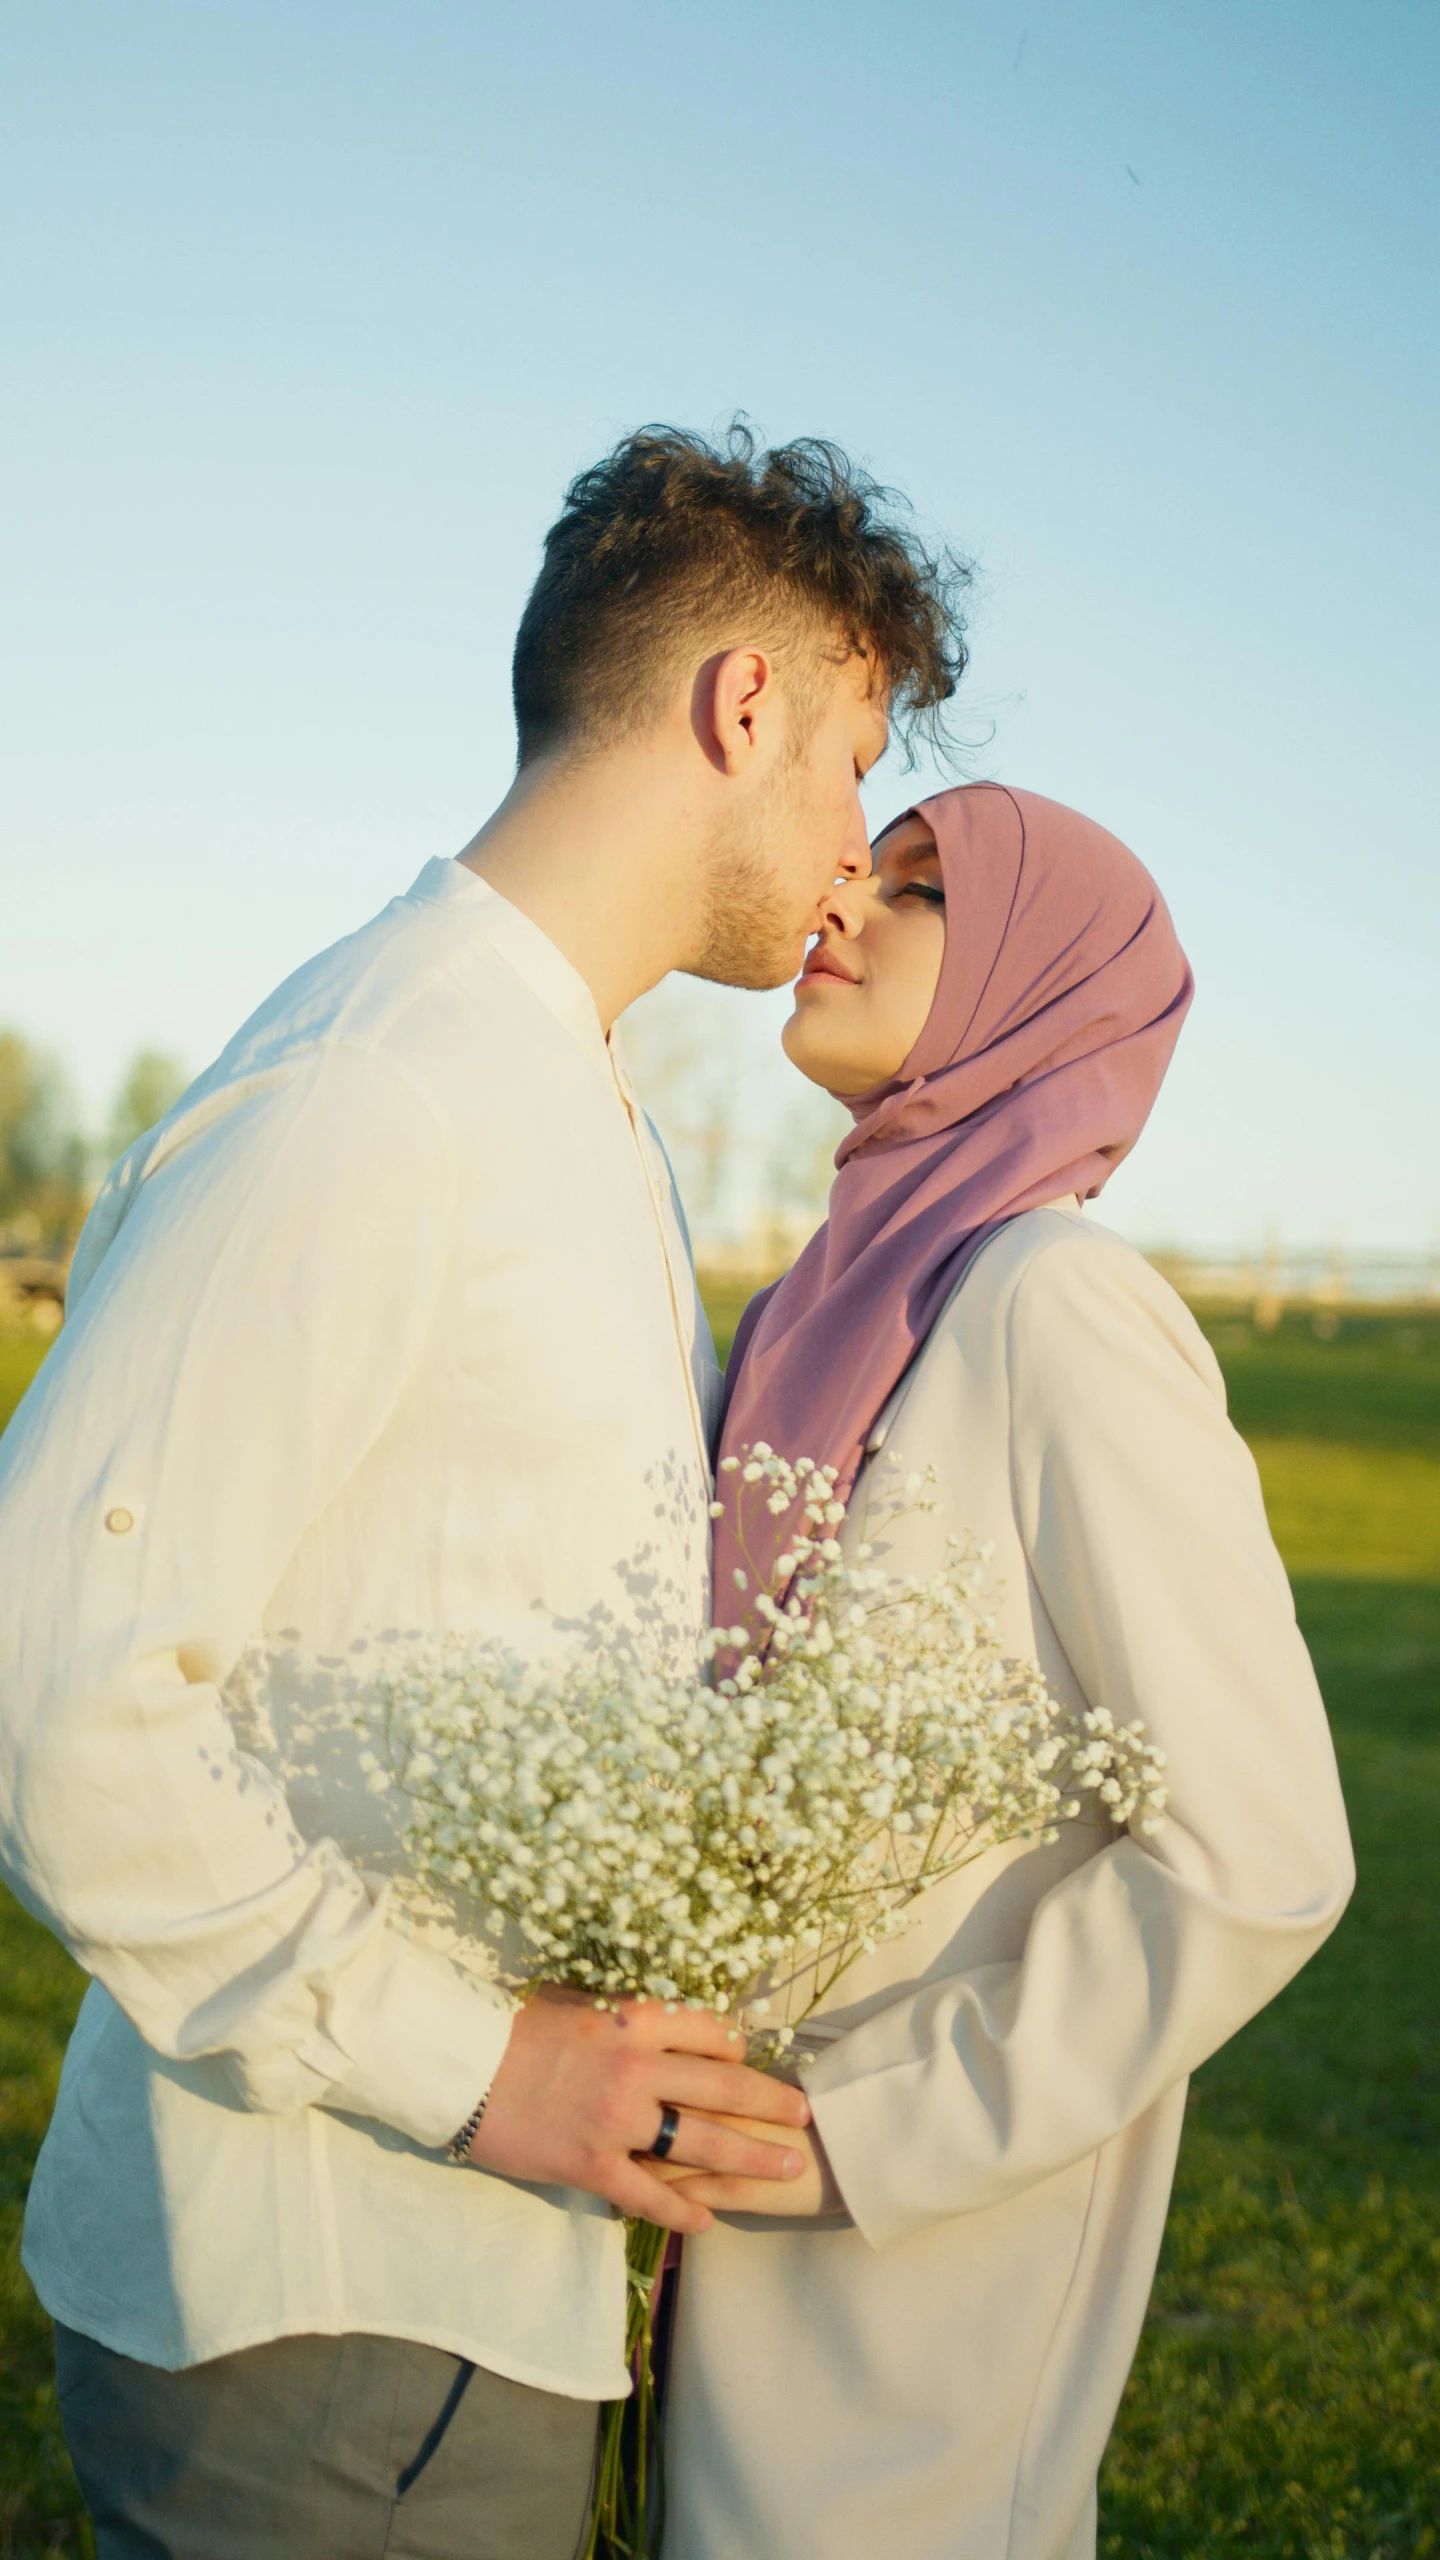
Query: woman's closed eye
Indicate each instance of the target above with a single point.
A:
(923, 889)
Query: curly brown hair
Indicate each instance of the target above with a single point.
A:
(679, 540)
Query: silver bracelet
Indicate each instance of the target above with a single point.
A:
(458, 2149)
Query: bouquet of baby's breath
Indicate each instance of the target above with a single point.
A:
(754, 1821)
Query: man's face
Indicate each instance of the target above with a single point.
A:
(772, 865)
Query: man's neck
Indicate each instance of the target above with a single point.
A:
(586, 849)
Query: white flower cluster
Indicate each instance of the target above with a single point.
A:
(693, 1838)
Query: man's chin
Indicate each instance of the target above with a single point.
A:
(756, 971)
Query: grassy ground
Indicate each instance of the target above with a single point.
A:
(1285, 2403)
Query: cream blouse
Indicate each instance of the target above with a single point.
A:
(1000, 2090)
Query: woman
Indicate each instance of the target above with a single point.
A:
(930, 2364)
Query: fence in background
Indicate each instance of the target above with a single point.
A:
(1325, 1282)
(1262, 1285)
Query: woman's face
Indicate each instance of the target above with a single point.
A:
(868, 983)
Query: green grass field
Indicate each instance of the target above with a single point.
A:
(1285, 2402)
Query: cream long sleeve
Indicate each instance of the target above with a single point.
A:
(388, 1330)
(1140, 1513)
(163, 1855)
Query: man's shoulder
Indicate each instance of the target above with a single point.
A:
(405, 1007)
(387, 986)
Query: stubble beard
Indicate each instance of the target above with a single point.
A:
(753, 930)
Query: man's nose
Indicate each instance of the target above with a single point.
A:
(855, 860)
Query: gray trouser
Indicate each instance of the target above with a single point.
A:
(323, 2449)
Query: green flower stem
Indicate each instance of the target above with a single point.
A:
(628, 2516)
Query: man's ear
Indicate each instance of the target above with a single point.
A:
(733, 706)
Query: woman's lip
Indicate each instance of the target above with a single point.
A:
(822, 966)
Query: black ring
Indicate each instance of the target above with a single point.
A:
(664, 2142)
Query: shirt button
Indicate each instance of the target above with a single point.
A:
(119, 1520)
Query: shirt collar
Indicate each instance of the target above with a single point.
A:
(529, 952)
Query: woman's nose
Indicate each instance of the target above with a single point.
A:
(842, 908)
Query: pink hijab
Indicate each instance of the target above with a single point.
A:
(1060, 999)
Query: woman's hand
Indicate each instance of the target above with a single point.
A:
(813, 2193)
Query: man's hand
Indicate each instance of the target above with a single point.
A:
(580, 2092)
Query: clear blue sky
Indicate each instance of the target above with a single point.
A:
(309, 310)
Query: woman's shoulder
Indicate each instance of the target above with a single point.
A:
(1057, 1277)
(1052, 1251)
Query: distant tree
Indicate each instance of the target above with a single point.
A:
(682, 1058)
(42, 1154)
(152, 1081)
(752, 1144)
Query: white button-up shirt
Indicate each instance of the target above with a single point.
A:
(389, 1327)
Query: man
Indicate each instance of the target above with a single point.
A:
(390, 1326)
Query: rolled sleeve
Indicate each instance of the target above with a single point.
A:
(423, 2039)
(250, 1299)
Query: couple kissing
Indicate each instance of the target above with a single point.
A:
(391, 1323)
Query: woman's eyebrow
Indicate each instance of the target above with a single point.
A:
(907, 858)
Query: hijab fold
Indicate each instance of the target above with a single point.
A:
(1060, 999)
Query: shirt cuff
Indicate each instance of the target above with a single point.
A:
(863, 2096)
(425, 2040)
